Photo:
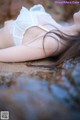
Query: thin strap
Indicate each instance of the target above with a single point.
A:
(50, 25)
(43, 28)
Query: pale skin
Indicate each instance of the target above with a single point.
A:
(34, 50)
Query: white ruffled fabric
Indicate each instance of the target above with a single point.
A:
(25, 20)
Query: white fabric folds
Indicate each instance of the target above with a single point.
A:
(25, 20)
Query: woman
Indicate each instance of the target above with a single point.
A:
(35, 35)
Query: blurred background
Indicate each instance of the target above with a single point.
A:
(9, 9)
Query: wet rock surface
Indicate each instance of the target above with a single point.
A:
(37, 91)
